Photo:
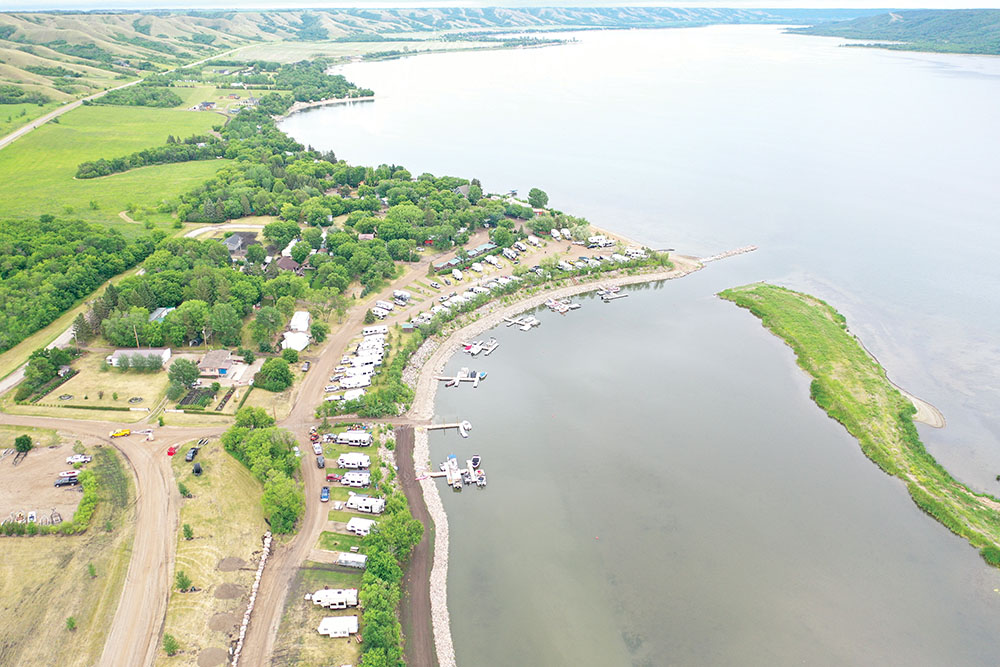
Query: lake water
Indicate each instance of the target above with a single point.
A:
(737, 523)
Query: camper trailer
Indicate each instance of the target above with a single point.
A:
(360, 527)
(556, 235)
(356, 382)
(354, 438)
(356, 479)
(354, 461)
(380, 313)
(375, 330)
(384, 305)
(360, 503)
(337, 598)
(456, 274)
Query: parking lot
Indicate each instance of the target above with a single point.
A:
(29, 485)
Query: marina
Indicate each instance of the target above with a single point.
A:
(463, 427)
(486, 348)
(459, 477)
(464, 375)
(524, 323)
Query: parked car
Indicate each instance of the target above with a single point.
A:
(305, 366)
(333, 477)
(193, 452)
(320, 462)
(67, 481)
(446, 281)
(317, 449)
(196, 469)
(435, 284)
(171, 450)
(78, 458)
(324, 494)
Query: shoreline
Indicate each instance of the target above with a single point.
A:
(302, 106)
(421, 372)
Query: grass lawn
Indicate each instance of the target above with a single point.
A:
(38, 170)
(298, 642)
(35, 571)
(11, 118)
(41, 437)
(338, 541)
(228, 522)
(851, 387)
(278, 404)
(344, 517)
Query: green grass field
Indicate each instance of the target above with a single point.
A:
(851, 387)
(38, 170)
(338, 541)
(11, 117)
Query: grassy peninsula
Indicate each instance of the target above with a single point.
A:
(853, 389)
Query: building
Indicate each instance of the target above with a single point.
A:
(287, 264)
(217, 363)
(160, 314)
(338, 626)
(360, 527)
(336, 598)
(295, 340)
(366, 237)
(347, 559)
(300, 321)
(238, 242)
(162, 352)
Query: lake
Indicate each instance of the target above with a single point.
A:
(737, 523)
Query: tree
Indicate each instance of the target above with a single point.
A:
(71, 624)
(300, 251)
(286, 305)
(274, 375)
(283, 502)
(188, 532)
(81, 328)
(183, 490)
(281, 232)
(170, 645)
(23, 443)
(314, 237)
(502, 237)
(255, 253)
(249, 417)
(224, 322)
(290, 355)
(319, 330)
(267, 323)
(475, 193)
(369, 317)
(183, 372)
(537, 198)
(182, 581)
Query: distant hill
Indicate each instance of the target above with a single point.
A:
(945, 30)
(58, 56)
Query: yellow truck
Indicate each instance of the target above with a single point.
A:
(120, 434)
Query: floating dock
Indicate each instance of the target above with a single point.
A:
(463, 427)
(464, 375)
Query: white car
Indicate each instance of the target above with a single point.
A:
(317, 449)
(435, 284)
(78, 458)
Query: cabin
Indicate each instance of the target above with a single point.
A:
(216, 363)
(356, 479)
(299, 321)
(115, 357)
(339, 626)
(355, 439)
(353, 461)
(360, 527)
(336, 598)
(360, 503)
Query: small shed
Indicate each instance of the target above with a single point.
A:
(338, 626)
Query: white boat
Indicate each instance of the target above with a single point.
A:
(69, 473)
(476, 460)
(480, 478)
(492, 345)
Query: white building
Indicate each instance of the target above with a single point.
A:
(162, 352)
(336, 598)
(338, 626)
(300, 321)
(296, 340)
(360, 527)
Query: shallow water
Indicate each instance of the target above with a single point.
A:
(737, 523)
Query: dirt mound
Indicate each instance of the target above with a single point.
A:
(223, 622)
(230, 564)
(213, 656)
(228, 591)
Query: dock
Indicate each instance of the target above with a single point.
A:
(464, 375)
(463, 427)
(611, 297)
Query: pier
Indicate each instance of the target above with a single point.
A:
(464, 375)
(463, 427)
(728, 253)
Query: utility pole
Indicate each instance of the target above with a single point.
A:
(136, 336)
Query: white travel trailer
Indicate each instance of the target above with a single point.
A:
(375, 330)
(360, 527)
(566, 234)
(356, 479)
(509, 253)
(492, 260)
(476, 266)
(354, 438)
(556, 234)
(339, 626)
(401, 295)
(337, 598)
(384, 305)
(456, 274)
(635, 253)
(360, 503)
(356, 382)
(380, 313)
(534, 240)
(564, 265)
(354, 461)
(520, 246)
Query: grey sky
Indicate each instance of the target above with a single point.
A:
(27, 5)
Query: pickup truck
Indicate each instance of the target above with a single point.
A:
(120, 434)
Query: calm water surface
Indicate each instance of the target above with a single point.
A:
(737, 524)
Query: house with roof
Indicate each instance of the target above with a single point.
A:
(115, 357)
(238, 242)
(287, 264)
(217, 363)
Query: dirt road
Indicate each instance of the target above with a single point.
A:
(415, 609)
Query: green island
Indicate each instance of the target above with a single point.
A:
(851, 386)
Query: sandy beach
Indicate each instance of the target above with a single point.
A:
(301, 106)
(426, 364)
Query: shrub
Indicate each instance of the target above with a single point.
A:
(274, 375)
(188, 532)
(182, 581)
(183, 490)
(290, 355)
(70, 623)
(91, 570)
(170, 645)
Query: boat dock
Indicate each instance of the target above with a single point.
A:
(463, 427)
(728, 253)
(475, 347)
(524, 323)
(457, 476)
(611, 297)
(464, 375)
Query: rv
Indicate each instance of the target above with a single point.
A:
(354, 438)
(360, 503)
(354, 461)
(565, 233)
(375, 330)
(619, 258)
(564, 265)
(492, 260)
(380, 313)
(361, 371)
(356, 479)
(477, 267)
(359, 526)
(635, 253)
(401, 295)
(520, 246)
(337, 598)
(456, 274)
(556, 235)
(384, 305)
(509, 253)
(534, 240)
(355, 382)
